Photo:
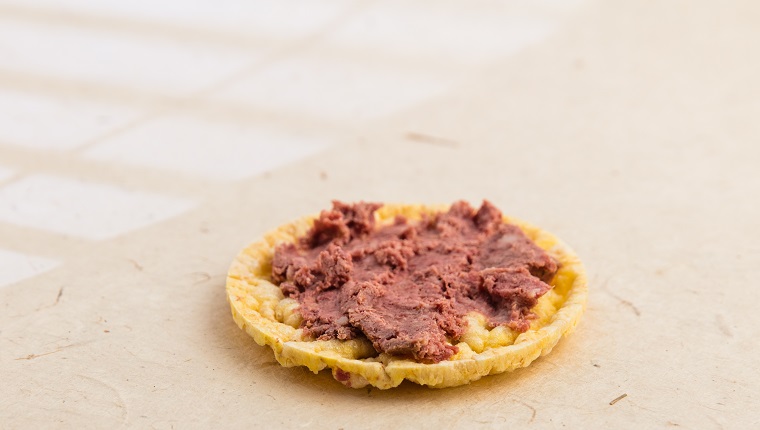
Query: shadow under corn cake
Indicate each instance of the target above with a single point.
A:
(440, 296)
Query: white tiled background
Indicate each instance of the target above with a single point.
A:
(203, 88)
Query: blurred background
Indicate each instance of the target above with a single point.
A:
(117, 102)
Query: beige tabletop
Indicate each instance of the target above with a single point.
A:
(143, 145)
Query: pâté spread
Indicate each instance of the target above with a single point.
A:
(407, 286)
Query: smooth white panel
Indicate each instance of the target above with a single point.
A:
(222, 151)
(335, 89)
(83, 209)
(15, 267)
(128, 60)
(53, 122)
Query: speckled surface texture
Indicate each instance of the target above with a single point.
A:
(135, 164)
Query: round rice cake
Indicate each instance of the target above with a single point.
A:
(261, 310)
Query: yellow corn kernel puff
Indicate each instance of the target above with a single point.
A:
(261, 310)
